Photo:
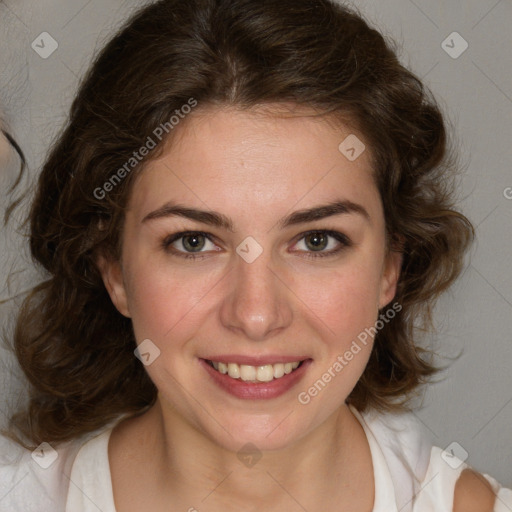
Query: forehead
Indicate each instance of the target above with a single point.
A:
(257, 160)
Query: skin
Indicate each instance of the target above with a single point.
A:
(255, 167)
(473, 493)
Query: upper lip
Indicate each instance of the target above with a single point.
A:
(254, 361)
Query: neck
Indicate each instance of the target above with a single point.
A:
(192, 465)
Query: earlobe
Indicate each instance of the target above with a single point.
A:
(112, 275)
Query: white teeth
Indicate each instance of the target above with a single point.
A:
(264, 373)
(247, 372)
(234, 370)
(278, 370)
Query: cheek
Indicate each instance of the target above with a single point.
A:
(343, 308)
(344, 300)
(164, 301)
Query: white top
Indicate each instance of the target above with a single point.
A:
(410, 474)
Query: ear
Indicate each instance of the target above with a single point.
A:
(112, 275)
(390, 276)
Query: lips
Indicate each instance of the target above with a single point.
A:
(260, 374)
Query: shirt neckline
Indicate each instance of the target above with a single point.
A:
(384, 500)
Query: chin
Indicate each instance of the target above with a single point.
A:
(241, 436)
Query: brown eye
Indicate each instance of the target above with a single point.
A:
(188, 244)
(316, 242)
(193, 243)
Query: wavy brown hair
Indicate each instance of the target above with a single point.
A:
(75, 348)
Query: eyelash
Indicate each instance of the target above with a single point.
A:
(340, 237)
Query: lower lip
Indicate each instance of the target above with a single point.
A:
(256, 390)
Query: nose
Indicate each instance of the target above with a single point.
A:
(257, 304)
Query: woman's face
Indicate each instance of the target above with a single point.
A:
(268, 274)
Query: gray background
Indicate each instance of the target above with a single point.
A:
(472, 403)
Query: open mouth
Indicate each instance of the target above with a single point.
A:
(247, 373)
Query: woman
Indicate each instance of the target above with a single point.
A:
(244, 223)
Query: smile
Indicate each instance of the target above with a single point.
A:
(247, 373)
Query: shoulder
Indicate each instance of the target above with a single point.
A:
(32, 481)
(405, 442)
(405, 447)
(428, 478)
(38, 480)
(473, 493)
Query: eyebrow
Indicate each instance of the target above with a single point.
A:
(219, 220)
